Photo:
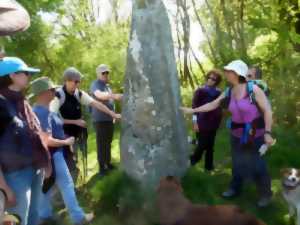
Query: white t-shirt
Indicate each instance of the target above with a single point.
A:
(85, 99)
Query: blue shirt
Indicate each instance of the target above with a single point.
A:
(97, 115)
(50, 122)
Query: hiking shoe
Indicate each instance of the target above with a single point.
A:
(229, 193)
(88, 217)
(264, 202)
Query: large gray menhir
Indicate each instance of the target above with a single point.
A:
(153, 136)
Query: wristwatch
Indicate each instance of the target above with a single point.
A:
(268, 132)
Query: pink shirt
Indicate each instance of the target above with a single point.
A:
(243, 111)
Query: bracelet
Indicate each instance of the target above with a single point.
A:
(268, 132)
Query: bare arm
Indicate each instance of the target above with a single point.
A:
(105, 96)
(11, 199)
(265, 108)
(79, 122)
(3, 184)
(101, 107)
(54, 142)
(205, 108)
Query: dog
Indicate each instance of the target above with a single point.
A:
(175, 209)
(291, 191)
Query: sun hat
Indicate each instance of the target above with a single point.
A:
(40, 85)
(239, 67)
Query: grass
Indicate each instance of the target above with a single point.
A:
(116, 200)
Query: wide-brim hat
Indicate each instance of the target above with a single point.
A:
(40, 85)
(239, 67)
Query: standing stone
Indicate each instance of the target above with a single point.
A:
(153, 136)
(13, 17)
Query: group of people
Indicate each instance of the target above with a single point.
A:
(35, 141)
(250, 125)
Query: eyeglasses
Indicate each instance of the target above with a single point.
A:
(212, 78)
(105, 73)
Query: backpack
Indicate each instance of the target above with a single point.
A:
(60, 94)
(250, 84)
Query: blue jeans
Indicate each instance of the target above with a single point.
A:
(65, 185)
(247, 164)
(26, 185)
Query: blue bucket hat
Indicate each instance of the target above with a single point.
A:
(10, 65)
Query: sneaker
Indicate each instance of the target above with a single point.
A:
(264, 202)
(88, 217)
(229, 193)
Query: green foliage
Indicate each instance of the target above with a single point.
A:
(71, 38)
(262, 33)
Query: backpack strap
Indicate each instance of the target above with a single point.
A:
(60, 94)
(250, 85)
(78, 94)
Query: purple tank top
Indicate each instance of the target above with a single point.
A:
(243, 111)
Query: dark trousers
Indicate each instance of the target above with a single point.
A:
(104, 137)
(247, 164)
(206, 141)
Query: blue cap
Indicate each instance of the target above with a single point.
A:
(10, 65)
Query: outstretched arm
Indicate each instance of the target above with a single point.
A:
(101, 107)
(88, 100)
(105, 96)
(205, 108)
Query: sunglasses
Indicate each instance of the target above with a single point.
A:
(24, 72)
(212, 78)
(105, 73)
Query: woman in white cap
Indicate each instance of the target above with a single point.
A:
(22, 152)
(250, 126)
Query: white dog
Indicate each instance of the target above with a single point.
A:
(291, 191)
